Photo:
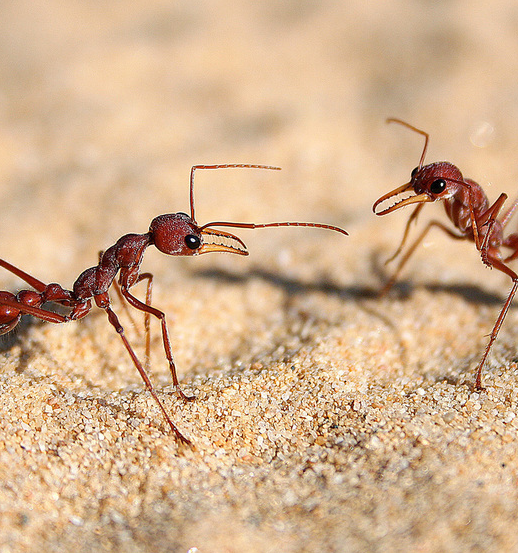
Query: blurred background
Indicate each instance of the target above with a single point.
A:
(104, 107)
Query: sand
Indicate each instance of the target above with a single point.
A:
(326, 418)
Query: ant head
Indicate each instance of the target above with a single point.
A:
(178, 234)
(436, 181)
(428, 183)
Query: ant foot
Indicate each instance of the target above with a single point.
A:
(184, 396)
(184, 442)
(477, 387)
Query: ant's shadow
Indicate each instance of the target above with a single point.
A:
(470, 292)
(291, 286)
(402, 290)
(17, 334)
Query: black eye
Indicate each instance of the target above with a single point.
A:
(414, 172)
(192, 241)
(437, 186)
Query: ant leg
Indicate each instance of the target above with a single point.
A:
(30, 280)
(132, 300)
(11, 310)
(112, 317)
(489, 218)
(413, 247)
(124, 305)
(47, 292)
(486, 219)
(147, 319)
(411, 219)
(497, 264)
(117, 286)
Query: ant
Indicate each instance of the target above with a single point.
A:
(172, 234)
(474, 219)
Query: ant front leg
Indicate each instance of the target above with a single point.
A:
(488, 219)
(501, 266)
(413, 247)
(411, 219)
(135, 302)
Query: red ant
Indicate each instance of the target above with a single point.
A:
(468, 208)
(172, 234)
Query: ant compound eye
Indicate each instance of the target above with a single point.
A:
(414, 172)
(437, 186)
(192, 241)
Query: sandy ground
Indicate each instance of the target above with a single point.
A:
(326, 419)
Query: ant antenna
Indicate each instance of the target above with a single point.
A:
(415, 129)
(264, 225)
(250, 225)
(222, 166)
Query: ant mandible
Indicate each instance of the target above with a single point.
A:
(172, 234)
(474, 219)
